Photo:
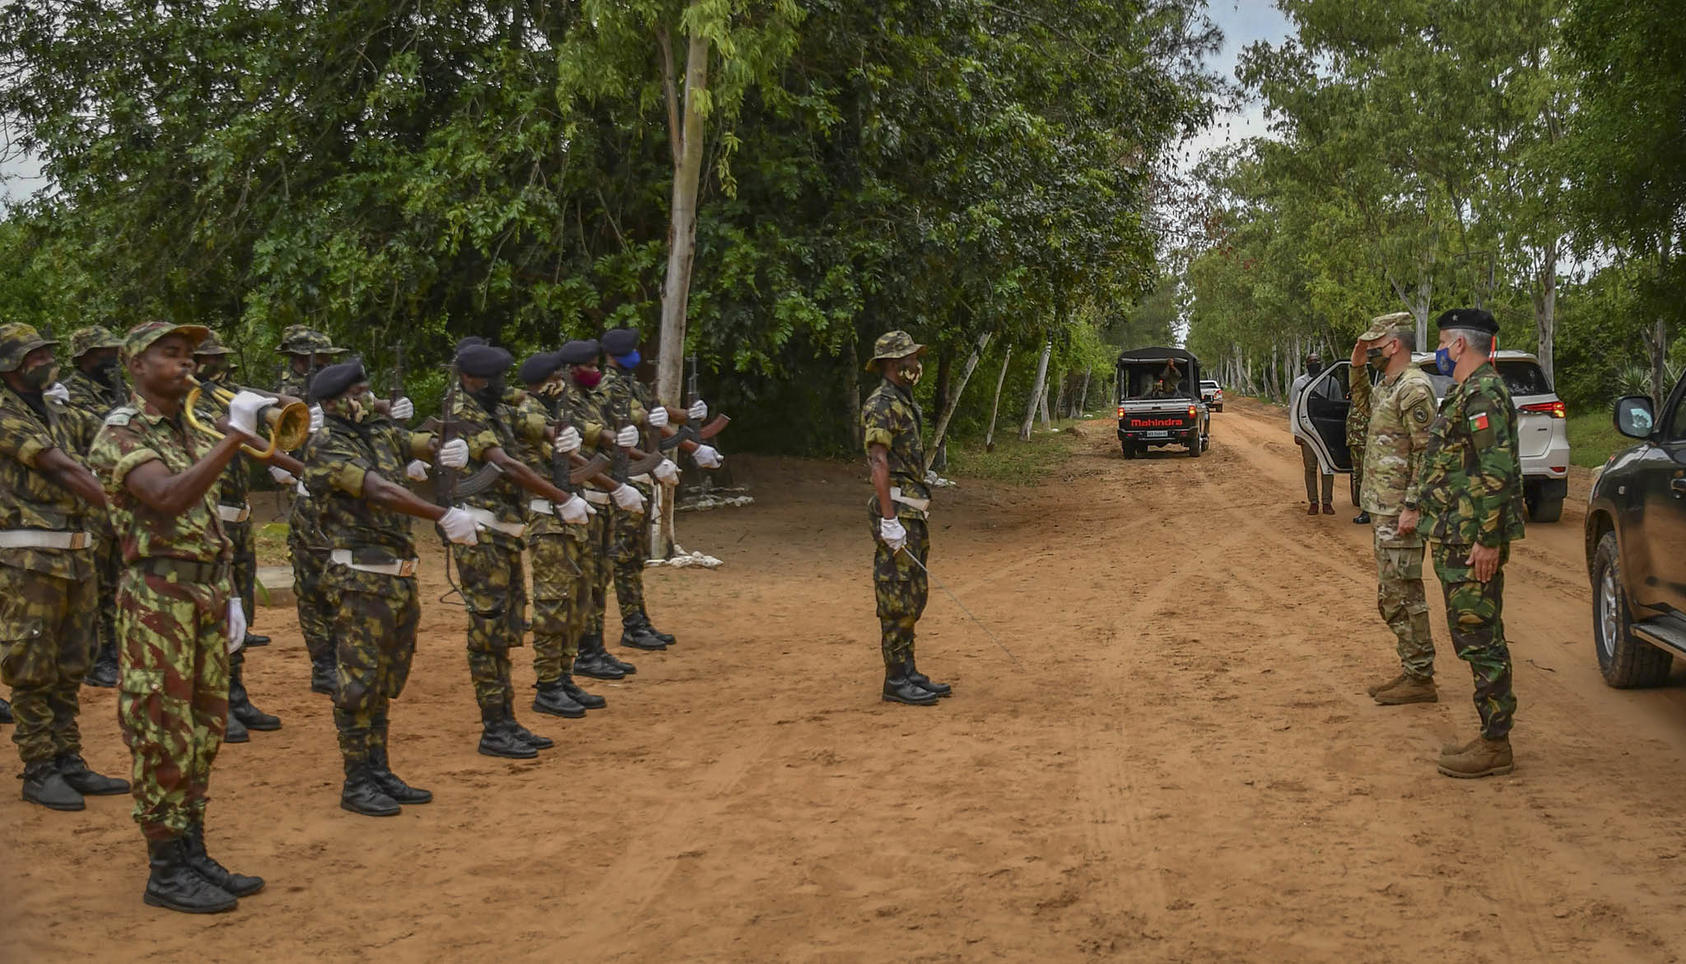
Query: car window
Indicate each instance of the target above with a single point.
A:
(1524, 377)
(1677, 421)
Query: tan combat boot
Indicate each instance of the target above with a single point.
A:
(1409, 689)
(1385, 684)
(1482, 758)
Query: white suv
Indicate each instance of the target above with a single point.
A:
(1212, 394)
(1542, 432)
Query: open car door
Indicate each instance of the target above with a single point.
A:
(1321, 416)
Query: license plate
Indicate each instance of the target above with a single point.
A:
(1159, 435)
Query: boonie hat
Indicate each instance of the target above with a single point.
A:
(142, 336)
(91, 338)
(17, 340)
(893, 344)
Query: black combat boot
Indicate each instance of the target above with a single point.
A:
(236, 730)
(590, 701)
(323, 677)
(497, 739)
(175, 885)
(85, 781)
(390, 784)
(625, 667)
(553, 699)
(1362, 519)
(253, 641)
(922, 681)
(240, 705)
(361, 795)
(103, 673)
(643, 620)
(44, 784)
(593, 660)
(636, 635)
(899, 689)
(522, 733)
(5, 710)
(240, 885)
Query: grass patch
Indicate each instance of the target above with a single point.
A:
(1593, 438)
(271, 541)
(1013, 461)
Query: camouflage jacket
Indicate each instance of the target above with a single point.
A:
(1400, 412)
(631, 401)
(530, 422)
(28, 498)
(132, 436)
(93, 401)
(588, 411)
(1471, 487)
(336, 461)
(892, 418)
(232, 489)
(1361, 394)
(484, 431)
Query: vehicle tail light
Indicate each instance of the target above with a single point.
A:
(1120, 411)
(1192, 411)
(1555, 409)
(1559, 469)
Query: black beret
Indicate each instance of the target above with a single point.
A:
(578, 352)
(620, 341)
(1467, 319)
(484, 361)
(538, 368)
(333, 381)
(468, 340)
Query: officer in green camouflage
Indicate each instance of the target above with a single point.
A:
(213, 365)
(892, 426)
(351, 468)
(1398, 411)
(178, 616)
(556, 537)
(96, 386)
(632, 402)
(47, 589)
(1471, 504)
(307, 351)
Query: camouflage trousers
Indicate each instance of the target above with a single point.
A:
(1475, 615)
(47, 640)
(108, 568)
(310, 561)
(245, 566)
(596, 570)
(629, 547)
(1355, 484)
(1400, 597)
(172, 699)
(900, 586)
(495, 591)
(561, 563)
(375, 621)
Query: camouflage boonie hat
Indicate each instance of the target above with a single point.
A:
(142, 336)
(84, 340)
(1385, 326)
(211, 345)
(17, 340)
(893, 344)
(305, 340)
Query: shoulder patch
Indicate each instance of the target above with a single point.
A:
(1419, 414)
(121, 415)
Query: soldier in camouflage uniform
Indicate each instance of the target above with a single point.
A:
(96, 386)
(1471, 504)
(47, 589)
(211, 358)
(556, 538)
(307, 352)
(1397, 413)
(351, 468)
(892, 426)
(178, 616)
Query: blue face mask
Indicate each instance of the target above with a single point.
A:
(1443, 361)
(629, 360)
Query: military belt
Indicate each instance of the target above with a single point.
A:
(643, 479)
(490, 521)
(234, 513)
(184, 570)
(398, 567)
(922, 505)
(595, 496)
(44, 539)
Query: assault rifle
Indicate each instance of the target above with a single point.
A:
(681, 416)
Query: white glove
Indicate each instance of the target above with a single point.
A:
(568, 440)
(299, 489)
(57, 392)
(627, 437)
(698, 411)
(281, 475)
(666, 473)
(315, 419)
(891, 531)
(453, 454)
(708, 457)
(402, 409)
(416, 471)
(576, 511)
(628, 498)
(236, 624)
(657, 417)
(243, 412)
(460, 527)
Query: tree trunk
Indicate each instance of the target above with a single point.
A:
(939, 441)
(939, 450)
(1062, 401)
(1047, 423)
(1083, 396)
(1036, 391)
(995, 406)
(686, 132)
(1545, 310)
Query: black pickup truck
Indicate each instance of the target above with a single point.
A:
(1159, 402)
(1636, 544)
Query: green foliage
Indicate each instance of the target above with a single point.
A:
(1593, 438)
(1013, 461)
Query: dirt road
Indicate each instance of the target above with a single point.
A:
(1183, 765)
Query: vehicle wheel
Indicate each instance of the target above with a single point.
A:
(1220, 408)
(1195, 448)
(1545, 510)
(1624, 660)
(1129, 450)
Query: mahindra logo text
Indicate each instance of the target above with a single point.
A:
(1156, 423)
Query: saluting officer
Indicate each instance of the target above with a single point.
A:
(48, 594)
(1471, 505)
(892, 424)
(95, 386)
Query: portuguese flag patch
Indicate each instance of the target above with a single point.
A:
(1478, 422)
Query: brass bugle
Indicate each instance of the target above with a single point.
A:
(288, 419)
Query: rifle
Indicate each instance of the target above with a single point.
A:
(395, 390)
(686, 432)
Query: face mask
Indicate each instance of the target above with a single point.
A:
(108, 373)
(1443, 361)
(41, 376)
(492, 394)
(629, 360)
(549, 390)
(586, 378)
(1313, 368)
(912, 374)
(355, 409)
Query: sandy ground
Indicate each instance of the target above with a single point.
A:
(1182, 765)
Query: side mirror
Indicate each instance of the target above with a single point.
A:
(1634, 417)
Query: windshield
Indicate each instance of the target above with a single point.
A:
(1208, 384)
